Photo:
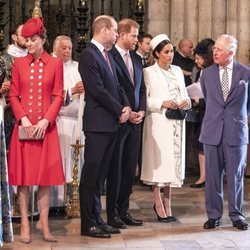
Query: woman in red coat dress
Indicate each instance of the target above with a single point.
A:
(36, 96)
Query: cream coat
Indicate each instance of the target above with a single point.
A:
(158, 148)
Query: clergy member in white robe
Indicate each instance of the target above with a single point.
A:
(68, 117)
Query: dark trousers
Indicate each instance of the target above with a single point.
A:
(98, 153)
(219, 159)
(122, 171)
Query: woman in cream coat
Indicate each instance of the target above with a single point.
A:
(163, 160)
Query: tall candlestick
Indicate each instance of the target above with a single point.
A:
(79, 120)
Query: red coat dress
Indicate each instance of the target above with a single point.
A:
(36, 92)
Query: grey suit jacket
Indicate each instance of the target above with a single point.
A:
(226, 118)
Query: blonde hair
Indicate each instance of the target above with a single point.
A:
(100, 22)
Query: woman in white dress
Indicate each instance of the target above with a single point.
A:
(163, 159)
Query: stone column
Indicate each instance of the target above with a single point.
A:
(197, 19)
(158, 17)
(177, 20)
(204, 19)
(191, 20)
(219, 18)
(243, 31)
(232, 17)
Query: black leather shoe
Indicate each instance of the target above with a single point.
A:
(109, 229)
(129, 220)
(211, 223)
(241, 225)
(117, 222)
(200, 185)
(96, 232)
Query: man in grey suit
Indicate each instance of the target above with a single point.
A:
(224, 132)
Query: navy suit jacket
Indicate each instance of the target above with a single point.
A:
(104, 97)
(226, 118)
(136, 92)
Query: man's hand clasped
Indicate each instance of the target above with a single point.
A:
(136, 117)
(125, 114)
(78, 88)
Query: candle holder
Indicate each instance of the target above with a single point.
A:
(139, 14)
(82, 28)
(73, 206)
(37, 10)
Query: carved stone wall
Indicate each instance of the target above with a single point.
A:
(198, 19)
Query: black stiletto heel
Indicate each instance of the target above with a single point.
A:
(159, 218)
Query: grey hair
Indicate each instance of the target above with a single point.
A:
(59, 39)
(231, 42)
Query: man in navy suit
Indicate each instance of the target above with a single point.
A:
(106, 108)
(224, 132)
(122, 171)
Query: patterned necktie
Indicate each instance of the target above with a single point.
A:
(129, 67)
(225, 84)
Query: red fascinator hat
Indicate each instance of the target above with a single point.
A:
(33, 26)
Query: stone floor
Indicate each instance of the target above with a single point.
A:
(186, 233)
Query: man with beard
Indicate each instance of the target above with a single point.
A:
(17, 49)
(122, 171)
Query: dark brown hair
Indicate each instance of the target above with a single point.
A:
(204, 49)
(142, 36)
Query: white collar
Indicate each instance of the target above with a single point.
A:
(98, 45)
(138, 53)
(16, 51)
(122, 51)
(229, 66)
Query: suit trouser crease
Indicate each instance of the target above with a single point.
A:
(122, 171)
(98, 153)
(220, 159)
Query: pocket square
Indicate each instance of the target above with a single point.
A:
(242, 82)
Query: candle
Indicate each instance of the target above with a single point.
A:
(79, 119)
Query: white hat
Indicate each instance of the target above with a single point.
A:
(158, 39)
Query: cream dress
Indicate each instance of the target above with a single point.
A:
(163, 159)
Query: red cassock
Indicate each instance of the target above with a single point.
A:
(36, 92)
